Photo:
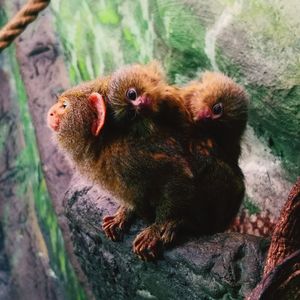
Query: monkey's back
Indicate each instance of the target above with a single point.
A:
(138, 169)
(220, 191)
(155, 175)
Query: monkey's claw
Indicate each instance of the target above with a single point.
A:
(113, 226)
(147, 245)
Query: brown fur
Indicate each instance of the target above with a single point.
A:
(142, 158)
(167, 107)
(203, 161)
(225, 132)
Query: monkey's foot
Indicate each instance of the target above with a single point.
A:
(169, 232)
(148, 245)
(115, 226)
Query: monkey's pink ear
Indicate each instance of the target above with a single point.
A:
(97, 102)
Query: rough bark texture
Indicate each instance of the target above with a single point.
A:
(44, 75)
(282, 283)
(215, 267)
(286, 236)
(282, 270)
(24, 264)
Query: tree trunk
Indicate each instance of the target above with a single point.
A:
(282, 270)
(25, 272)
(45, 76)
(226, 265)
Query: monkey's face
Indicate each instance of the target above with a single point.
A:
(218, 102)
(76, 118)
(133, 91)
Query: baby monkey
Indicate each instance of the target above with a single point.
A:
(140, 97)
(219, 110)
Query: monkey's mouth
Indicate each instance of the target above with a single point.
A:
(53, 124)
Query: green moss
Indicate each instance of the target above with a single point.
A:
(82, 68)
(184, 37)
(130, 39)
(227, 66)
(3, 17)
(109, 16)
(138, 15)
(274, 114)
(250, 206)
(110, 64)
(4, 131)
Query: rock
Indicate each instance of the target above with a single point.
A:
(225, 265)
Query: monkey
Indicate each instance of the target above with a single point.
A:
(139, 100)
(127, 164)
(219, 109)
(148, 99)
(142, 161)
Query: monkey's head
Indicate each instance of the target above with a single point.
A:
(133, 91)
(77, 120)
(218, 103)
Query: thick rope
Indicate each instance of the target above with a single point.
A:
(19, 22)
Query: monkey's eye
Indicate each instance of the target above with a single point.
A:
(65, 104)
(217, 109)
(131, 94)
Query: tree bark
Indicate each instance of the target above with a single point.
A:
(44, 75)
(286, 236)
(226, 265)
(282, 269)
(25, 272)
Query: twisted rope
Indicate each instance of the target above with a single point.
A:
(19, 22)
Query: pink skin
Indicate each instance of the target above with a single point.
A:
(142, 102)
(97, 102)
(147, 245)
(205, 115)
(53, 120)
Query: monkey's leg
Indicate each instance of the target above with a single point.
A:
(150, 242)
(171, 218)
(115, 226)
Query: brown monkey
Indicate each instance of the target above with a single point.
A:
(141, 160)
(219, 109)
(146, 99)
(141, 170)
(140, 104)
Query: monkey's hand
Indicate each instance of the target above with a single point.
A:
(149, 244)
(115, 226)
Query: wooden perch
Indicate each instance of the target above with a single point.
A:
(221, 266)
(282, 269)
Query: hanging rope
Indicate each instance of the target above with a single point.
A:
(19, 22)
